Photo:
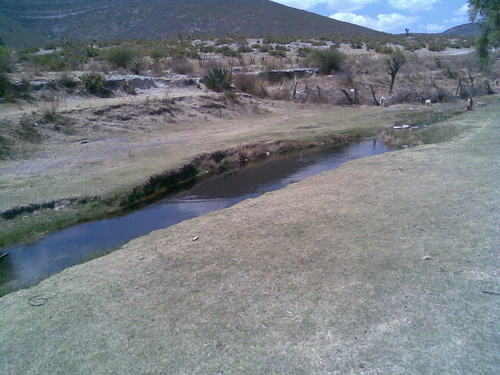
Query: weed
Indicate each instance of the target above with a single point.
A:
(27, 130)
(49, 111)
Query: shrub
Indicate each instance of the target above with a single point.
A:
(120, 57)
(27, 130)
(382, 48)
(303, 52)
(327, 60)
(278, 53)
(5, 59)
(4, 85)
(436, 46)
(94, 83)
(53, 61)
(136, 65)
(157, 54)
(67, 81)
(250, 84)
(218, 79)
(181, 65)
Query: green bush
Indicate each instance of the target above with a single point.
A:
(4, 85)
(382, 48)
(136, 65)
(326, 60)
(94, 83)
(157, 53)
(436, 46)
(67, 81)
(218, 79)
(53, 61)
(5, 59)
(120, 57)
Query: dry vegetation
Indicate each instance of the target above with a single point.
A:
(123, 93)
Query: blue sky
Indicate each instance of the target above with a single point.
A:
(393, 16)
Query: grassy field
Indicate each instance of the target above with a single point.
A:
(378, 267)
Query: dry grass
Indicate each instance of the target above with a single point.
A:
(325, 276)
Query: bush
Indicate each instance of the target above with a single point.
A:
(157, 53)
(53, 61)
(5, 59)
(436, 46)
(120, 57)
(4, 85)
(94, 83)
(218, 79)
(382, 48)
(250, 84)
(181, 65)
(27, 130)
(327, 60)
(136, 65)
(67, 81)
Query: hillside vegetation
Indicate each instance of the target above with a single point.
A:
(157, 19)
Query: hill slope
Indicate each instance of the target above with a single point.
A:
(468, 29)
(156, 19)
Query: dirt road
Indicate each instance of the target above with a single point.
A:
(379, 267)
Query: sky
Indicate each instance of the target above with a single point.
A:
(392, 16)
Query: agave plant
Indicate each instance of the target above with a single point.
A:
(218, 79)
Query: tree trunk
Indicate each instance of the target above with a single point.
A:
(393, 78)
(377, 103)
(459, 87)
(348, 97)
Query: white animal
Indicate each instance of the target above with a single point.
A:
(428, 102)
(382, 101)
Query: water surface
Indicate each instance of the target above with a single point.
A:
(28, 264)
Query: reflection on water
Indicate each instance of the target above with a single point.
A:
(27, 264)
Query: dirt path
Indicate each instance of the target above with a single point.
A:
(378, 267)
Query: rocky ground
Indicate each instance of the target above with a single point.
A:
(387, 265)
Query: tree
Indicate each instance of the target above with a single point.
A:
(487, 13)
(394, 62)
(407, 31)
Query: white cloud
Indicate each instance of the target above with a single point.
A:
(337, 5)
(383, 22)
(463, 11)
(434, 28)
(413, 5)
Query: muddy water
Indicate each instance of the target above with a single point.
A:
(27, 264)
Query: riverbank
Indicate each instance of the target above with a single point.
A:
(380, 266)
(69, 181)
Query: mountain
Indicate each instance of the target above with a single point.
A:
(468, 29)
(160, 19)
(14, 33)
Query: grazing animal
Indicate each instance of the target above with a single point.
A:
(428, 102)
(382, 101)
(469, 104)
